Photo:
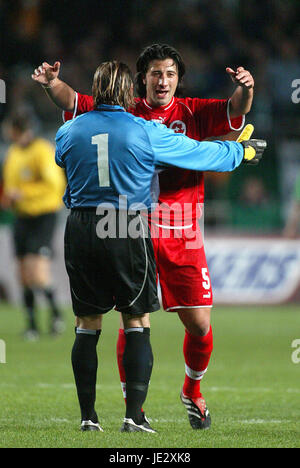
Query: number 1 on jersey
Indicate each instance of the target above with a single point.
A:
(101, 141)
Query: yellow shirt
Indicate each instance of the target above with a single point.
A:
(32, 172)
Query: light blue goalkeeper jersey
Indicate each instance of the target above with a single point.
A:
(108, 153)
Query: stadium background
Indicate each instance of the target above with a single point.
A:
(263, 36)
(252, 386)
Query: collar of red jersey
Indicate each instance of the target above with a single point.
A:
(159, 108)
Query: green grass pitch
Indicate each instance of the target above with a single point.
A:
(252, 385)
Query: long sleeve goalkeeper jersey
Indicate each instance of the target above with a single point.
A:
(108, 153)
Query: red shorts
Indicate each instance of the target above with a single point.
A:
(181, 266)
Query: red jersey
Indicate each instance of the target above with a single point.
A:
(181, 191)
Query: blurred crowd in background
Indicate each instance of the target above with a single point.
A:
(261, 35)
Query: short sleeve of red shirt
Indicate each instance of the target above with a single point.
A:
(213, 116)
(83, 103)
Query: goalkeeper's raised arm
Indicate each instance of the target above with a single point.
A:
(57, 90)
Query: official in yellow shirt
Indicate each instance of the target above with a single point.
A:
(33, 188)
(32, 178)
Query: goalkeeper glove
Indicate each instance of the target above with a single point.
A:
(253, 151)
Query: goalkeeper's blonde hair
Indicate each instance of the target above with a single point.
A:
(113, 85)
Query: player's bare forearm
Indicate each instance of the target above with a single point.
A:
(241, 101)
(61, 94)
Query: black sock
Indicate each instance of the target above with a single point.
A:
(50, 296)
(138, 363)
(85, 365)
(28, 300)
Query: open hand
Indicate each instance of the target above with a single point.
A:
(45, 73)
(241, 77)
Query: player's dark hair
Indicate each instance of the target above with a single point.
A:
(113, 85)
(157, 52)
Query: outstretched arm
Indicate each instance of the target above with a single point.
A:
(58, 91)
(176, 149)
(241, 100)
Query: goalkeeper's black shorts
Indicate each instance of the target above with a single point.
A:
(107, 267)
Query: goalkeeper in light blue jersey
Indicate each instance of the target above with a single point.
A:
(108, 154)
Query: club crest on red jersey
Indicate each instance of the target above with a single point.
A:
(178, 126)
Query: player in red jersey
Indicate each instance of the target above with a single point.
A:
(180, 256)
